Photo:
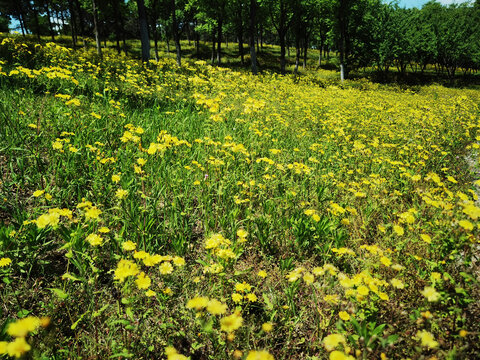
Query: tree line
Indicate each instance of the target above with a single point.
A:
(364, 33)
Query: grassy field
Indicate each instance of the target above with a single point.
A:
(163, 212)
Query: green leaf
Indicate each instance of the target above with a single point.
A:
(195, 346)
(208, 326)
(392, 338)
(129, 312)
(460, 290)
(75, 324)
(120, 355)
(59, 293)
(267, 301)
(99, 312)
(378, 330)
(22, 313)
(68, 276)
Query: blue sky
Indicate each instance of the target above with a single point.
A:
(419, 3)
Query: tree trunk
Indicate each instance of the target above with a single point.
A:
(95, 29)
(240, 43)
(240, 32)
(297, 55)
(219, 39)
(154, 28)
(342, 56)
(22, 24)
(37, 24)
(253, 55)
(197, 43)
(73, 26)
(213, 45)
(155, 41)
(342, 19)
(124, 36)
(142, 19)
(62, 17)
(80, 20)
(176, 35)
(320, 55)
(305, 50)
(281, 35)
(261, 36)
(50, 26)
(167, 41)
(117, 22)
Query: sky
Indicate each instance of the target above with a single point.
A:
(419, 3)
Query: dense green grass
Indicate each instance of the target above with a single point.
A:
(349, 211)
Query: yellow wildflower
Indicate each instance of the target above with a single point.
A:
(125, 268)
(426, 238)
(231, 323)
(172, 354)
(18, 347)
(398, 230)
(179, 261)
(262, 273)
(94, 239)
(363, 290)
(143, 281)
(38, 193)
(267, 327)
(385, 261)
(259, 355)
(166, 268)
(467, 225)
(92, 213)
(241, 233)
(430, 293)
(150, 293)
(121, 193)
(215, 307)
(397, 283)
(197, 303)
(308, 278)
(344, 315)
(427, 339)
(340, 355)
(236, 297)
(23, 327)
(243, 287)
(5, 262)
(3, 347)
(332, 341)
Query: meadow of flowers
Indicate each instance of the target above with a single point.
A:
(163, 212)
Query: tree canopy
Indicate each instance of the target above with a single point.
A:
(364, 33)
